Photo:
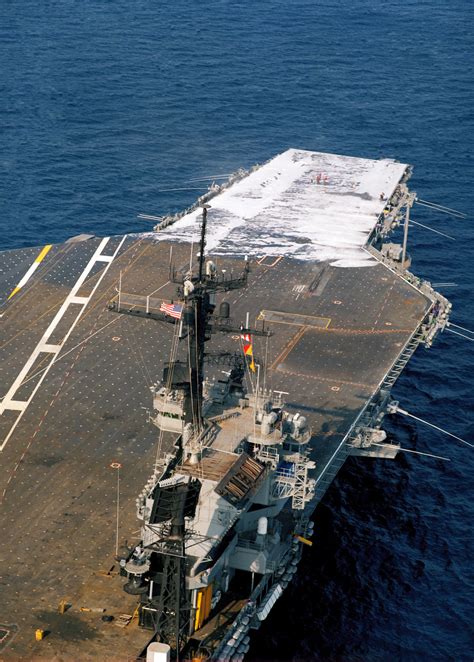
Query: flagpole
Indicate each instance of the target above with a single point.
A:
(120, 290)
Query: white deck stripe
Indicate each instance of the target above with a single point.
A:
(8, 402)
(18, 405)
(44, 340)
(105, 258)
(30, 271)
(49, 349)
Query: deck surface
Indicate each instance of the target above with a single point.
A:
(312, 205)
(57, 487)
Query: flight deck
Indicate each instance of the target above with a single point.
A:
(75, 400)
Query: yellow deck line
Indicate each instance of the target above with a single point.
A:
(40, 257)
(43, 253)
(13, 292)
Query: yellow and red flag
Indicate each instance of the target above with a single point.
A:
(248, 349)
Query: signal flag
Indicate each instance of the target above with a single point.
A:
(248, 349)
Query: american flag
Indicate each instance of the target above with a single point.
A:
(172, 309)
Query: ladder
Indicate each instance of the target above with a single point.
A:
(403, 359)
(300, 488)
(328, 475)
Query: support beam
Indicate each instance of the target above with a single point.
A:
(405, 233)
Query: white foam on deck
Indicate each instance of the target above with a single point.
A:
(280, 209)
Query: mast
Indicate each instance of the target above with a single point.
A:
(170, 606)
(198, 312)
(198, 292)
(202, 244)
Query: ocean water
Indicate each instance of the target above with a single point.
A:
(105, 106)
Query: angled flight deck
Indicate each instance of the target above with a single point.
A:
(75, 378)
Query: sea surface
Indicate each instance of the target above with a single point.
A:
(105, 106)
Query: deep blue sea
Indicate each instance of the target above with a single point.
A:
(104, 104)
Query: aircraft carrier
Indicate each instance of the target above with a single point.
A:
(210, 378)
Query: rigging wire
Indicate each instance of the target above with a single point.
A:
(208, 178)
(63, 356)
(440, 207)
(145, 370)
(82, 342)
(427, 227)
(150, 217)
(460, 334)
(443, 211)
(409, 450)
(183, 188)
(436, 427)
(138, 361)
(458, 326)
(202, 179)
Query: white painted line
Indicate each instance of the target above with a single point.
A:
(18, 405)
(8, 402)
(80, 300)
(29, 273)
(44, 340)
(49, 349)
(105, 258)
